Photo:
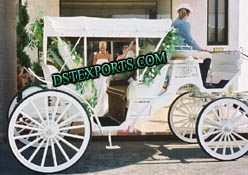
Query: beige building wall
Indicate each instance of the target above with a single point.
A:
(243, 42)
(35, 7)
(233, 24)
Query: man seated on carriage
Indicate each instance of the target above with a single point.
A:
(184, 32)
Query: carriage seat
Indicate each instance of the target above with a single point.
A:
(204, 68)
(224, 69)
(183, 54)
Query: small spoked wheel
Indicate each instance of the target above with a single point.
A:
(222, 128)
(56, 123)
(182, 116)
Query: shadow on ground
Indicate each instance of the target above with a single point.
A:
(97, 158)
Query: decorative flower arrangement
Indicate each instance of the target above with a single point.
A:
(169, 43)
(36, 34)
(59, 50)
(88, 91)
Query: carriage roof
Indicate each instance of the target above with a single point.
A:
(105, 27)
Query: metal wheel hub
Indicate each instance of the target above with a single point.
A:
(193, 117)
(226, 128)
(51, 130)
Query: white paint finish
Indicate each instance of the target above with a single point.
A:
(243, 42)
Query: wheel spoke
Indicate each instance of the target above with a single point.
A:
(183, 116)
(38, 112)
(30, 144)
(69, 119)
(218, 143)
(185, 123)
(72, 127)
(236, 119)
(53, 153)
(221, 111)
(67, 143)
(239, 136)
(235, 140)
(182, 111)
(230, 144)
(27, 127)
(241, 124)
(195, 107)
(213, 139)
(235, 112)
(62, 150)
(228, 111)
(44, 153)
(224, 147)
(27, 136)
(30, 118)
(36, 151)
(46, 109)
(206, 135)
(185, 106)
(72, 135)
(55, 109)
(186, 129)
(20, 131)
(63, 113)
(216, 115)
(210, 126)
(180, 121)
(191, 131)
(211, 121)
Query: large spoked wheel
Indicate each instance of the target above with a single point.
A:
(182, 116)
(221, 128)
(50, 114)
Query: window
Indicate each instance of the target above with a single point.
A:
(109, 9)
(217, 22)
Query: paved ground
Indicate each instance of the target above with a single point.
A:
(138, 158)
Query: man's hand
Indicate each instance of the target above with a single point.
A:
(205, 50)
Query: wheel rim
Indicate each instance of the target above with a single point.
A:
(220, 129)
(55, 149)
(183, 115)
(12, 106)
(25, 93)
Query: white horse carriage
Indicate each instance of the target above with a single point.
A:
(50, 129)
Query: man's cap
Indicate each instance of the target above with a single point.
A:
(184, 6)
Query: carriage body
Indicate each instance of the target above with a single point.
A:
(58, 116)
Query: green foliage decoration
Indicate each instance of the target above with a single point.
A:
(22, 36)
(87, 88)
(169, 44)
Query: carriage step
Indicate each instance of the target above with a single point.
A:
(108, 121)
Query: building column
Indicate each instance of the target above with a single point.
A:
(7, 60)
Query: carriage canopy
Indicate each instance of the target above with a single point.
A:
(105, 27)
